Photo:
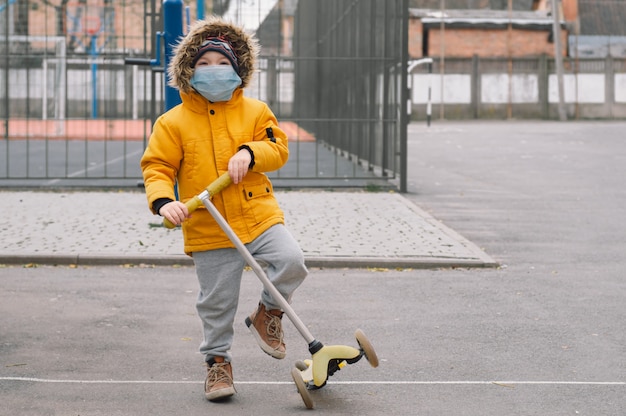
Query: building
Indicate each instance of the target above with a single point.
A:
(488, 28)
(600, 30)
(481, 32)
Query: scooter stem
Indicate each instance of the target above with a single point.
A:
(269, 286)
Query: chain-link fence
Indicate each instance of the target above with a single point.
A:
(74, 112)
(351, 59)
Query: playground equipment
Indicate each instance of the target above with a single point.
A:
(172, 13)
(91, 28)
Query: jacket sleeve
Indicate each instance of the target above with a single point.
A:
(270, 145)
(160, 162)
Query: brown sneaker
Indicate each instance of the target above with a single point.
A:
(268, 331)
(219, 379)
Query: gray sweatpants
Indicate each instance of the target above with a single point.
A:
(219, 274)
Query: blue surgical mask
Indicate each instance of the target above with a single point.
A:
(215, 82)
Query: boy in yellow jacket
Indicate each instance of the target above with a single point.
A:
(215, 130)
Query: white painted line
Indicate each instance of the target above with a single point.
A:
(94, 167)
(389, 383)
(498, 383)
(45, 380)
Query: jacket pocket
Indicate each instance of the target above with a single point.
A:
(260, 203)
(257, 190)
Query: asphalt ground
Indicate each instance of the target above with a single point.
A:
(542, 334)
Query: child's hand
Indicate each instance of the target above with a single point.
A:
(175, 211)
(238, 165)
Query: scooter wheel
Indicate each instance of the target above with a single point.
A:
(301, 365)
(367, 348)
(301, 386)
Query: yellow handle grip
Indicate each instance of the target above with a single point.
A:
(218, 185)
(194, 203)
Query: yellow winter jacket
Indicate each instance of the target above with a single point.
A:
(192, 144)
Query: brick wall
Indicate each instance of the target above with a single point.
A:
(464, 43)
(492, 43)
(415, 38)
(128, 23)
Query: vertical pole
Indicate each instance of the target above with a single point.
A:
(200, 10)
(442, 29)
(576, 72)
(272, 84)
(375, 68)
(172, 13)
(404, 118)
(94, 77)
(7, 92)
(609, 85)
(544, 84)
(429, 106)
(475, 87)
(60, 86)
(509, 107)
(44, 92)
(172, 32)
(558, 57)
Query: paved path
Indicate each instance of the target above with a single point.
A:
(334, 229)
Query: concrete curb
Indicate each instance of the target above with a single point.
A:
(183, 260)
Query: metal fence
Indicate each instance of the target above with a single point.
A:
(74, 113)
(350, 86)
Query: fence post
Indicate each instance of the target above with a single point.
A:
(609, 82)
(558, 59)
(272, 83)
(4, 15)
(172, 32)
(404, 93)
(475, 86)
(544, 85)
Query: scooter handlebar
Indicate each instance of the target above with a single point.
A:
(138, 61)
(214, 188)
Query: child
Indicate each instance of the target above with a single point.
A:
(217, 129)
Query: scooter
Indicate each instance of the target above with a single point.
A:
(326, 360)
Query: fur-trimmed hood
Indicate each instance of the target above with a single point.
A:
(245, 46)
